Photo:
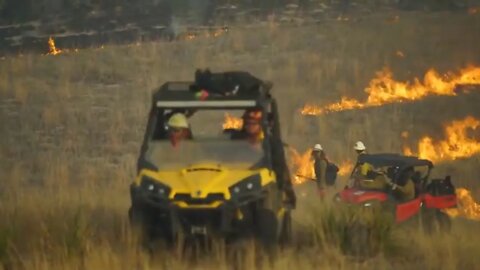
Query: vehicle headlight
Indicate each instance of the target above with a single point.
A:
(246, 186)
(154, 187)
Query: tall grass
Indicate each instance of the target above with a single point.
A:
(72, 126)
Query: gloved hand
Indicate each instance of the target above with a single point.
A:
(390, 183)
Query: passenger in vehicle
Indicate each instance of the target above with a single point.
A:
(404, 189)
(371, 178)
(178, 128)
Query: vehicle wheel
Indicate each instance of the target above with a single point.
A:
(266, 228)
(136, 216)
(435, 220)
(139, 221)
(443, 221)
(286, 231)
(357, 240)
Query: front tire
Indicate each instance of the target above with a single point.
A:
(266, 228)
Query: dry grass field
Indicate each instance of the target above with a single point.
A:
(72, 124)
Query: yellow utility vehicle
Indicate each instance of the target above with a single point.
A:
(215, 182)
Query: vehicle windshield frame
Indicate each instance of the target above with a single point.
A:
(159, 114)
(388, 160)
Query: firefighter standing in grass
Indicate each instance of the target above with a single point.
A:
(320, 167)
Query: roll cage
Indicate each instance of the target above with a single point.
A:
(398, 163)
(184, 96)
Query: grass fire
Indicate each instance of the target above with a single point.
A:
(132, 155)
(456, 144)
(384, 89)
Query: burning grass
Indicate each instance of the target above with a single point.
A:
(456, 144)
(384, 89)
(232, 122)
(467, 206)
(52, 49)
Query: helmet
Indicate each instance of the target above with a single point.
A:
(359, 146)
(317, 147)
(178, 120)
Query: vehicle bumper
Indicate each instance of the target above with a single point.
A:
(220, 216)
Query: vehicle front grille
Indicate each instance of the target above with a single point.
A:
(186, 197)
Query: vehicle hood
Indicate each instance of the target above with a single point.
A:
(201, 179)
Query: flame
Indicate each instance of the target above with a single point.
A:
(473, 10)
(207, 34)
(457, 143)
(466, 206)
(52, 49)
(302, 165)
(232, 122)
(383, 89)
(345, 167)
(344, 104)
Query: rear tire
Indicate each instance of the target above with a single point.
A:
(434, 221)
(357, 240)
(443, 221)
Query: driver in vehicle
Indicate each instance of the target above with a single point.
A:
(404, 189)
(371, 178)
(178, 128)
(252, 128)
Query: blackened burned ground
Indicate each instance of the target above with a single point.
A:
(87, 28)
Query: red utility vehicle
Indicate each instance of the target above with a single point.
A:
(431, 195)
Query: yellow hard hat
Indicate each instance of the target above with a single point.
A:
(178, 120)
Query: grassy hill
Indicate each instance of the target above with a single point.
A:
(72, 126)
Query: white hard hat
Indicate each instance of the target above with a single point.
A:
(359, 146)
(317, 147)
